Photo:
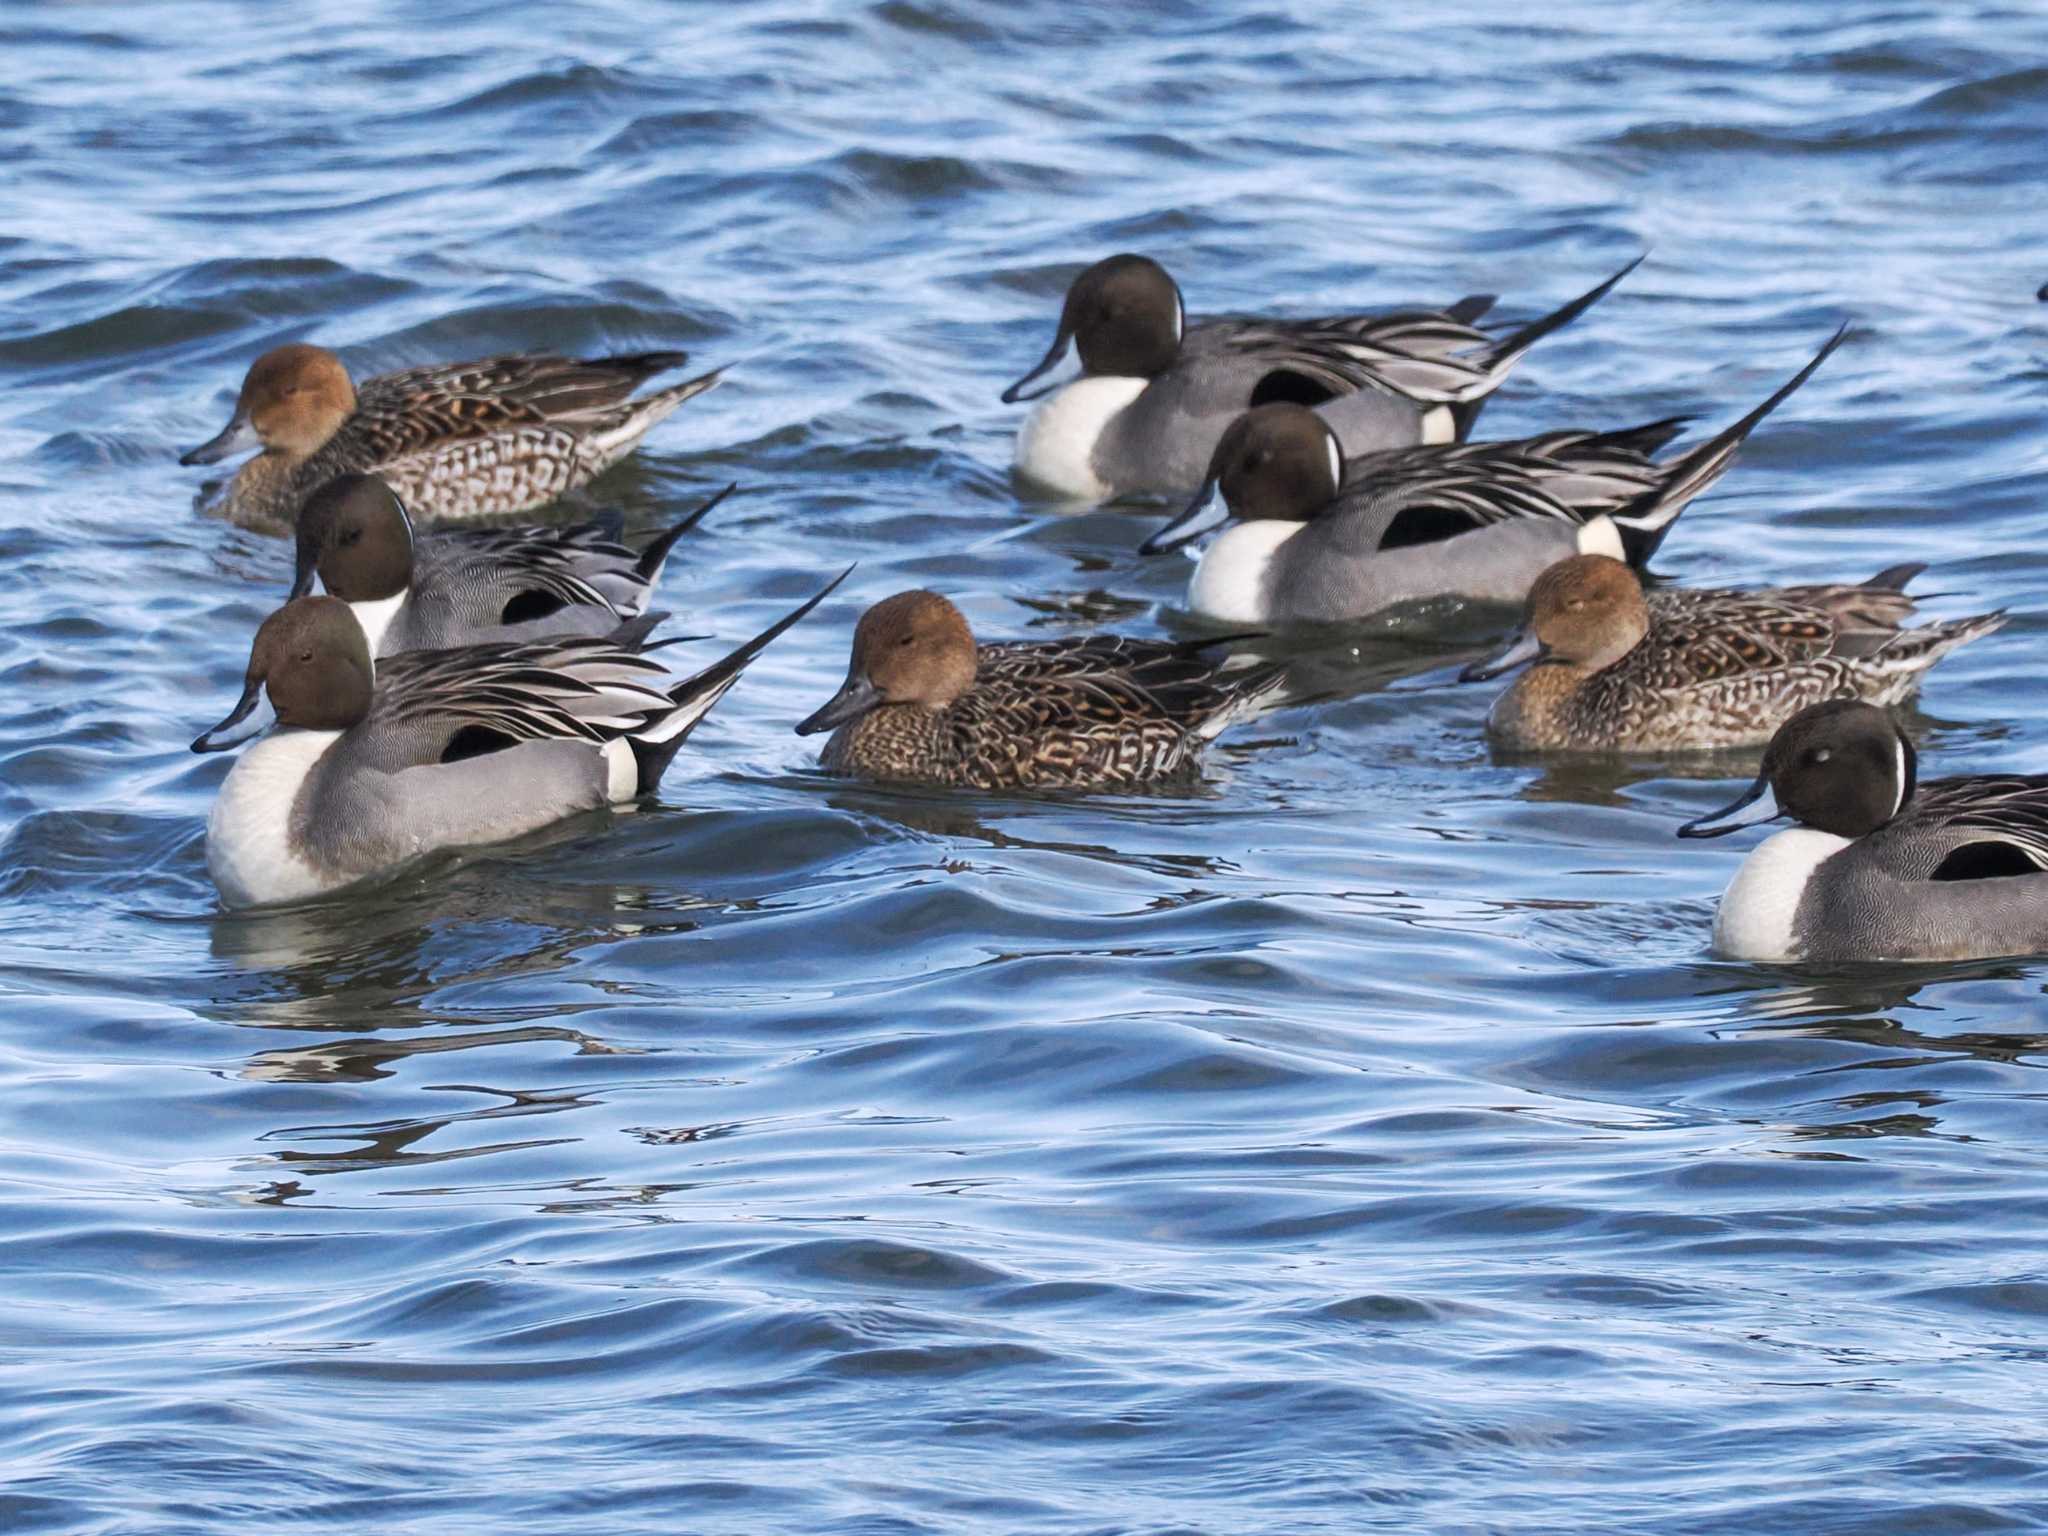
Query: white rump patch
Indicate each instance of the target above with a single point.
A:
(1230, 582)
(1056, 444)
(622, 770)
(1755, 920)
(1599, 536)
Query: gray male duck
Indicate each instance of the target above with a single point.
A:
(1612, 669)
(1155, 390)
(456, 440)
(371, 765)
(924, 704)
(1880, 865)
(472, 586)
(1315, 537)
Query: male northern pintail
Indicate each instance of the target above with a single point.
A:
(1313, 538)
(922, 703)
(470, 586)
(1881, 867)
(372, 764)
(455, 440)
(1156, 390)
(1615, 671)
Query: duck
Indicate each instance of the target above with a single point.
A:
(924, 704)
(491, 438)
(1155, 390)
(364, 766)
(1316, 537)
(1612, 669)
(1880, 866)
(472, 586)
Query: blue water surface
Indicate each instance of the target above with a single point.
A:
(1367, 1143)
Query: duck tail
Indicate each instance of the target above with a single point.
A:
(656, 743)
(624, 428)
(642, 365)
(655, 555)
(1245, 694)
(1644, 521)
(1508, 351)
(1915, 650)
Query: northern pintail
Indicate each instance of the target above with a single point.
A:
(923, 703)
(1316, 538)
(1155, 390)
(470, 586)
(1686, 669)
(370, 765)
(455, 440)
(1880, 867)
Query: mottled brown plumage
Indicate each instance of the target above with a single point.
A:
(923, 703)
(453, 440)
(1620, 671)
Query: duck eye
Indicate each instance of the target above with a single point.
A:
(906, 640)
(1575, 605)
(1822, 754)
(353, 536)
(305, 655)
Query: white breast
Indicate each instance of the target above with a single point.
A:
(376, 617)
(1056, 444)
(1230, 582)
(1755, 920)
(248, 836)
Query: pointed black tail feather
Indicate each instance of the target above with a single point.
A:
(1511, 347)
(655, 555)
(644, 365)
(656, 748)
(632, 634)
(1893, 578)
(1472, 307)
(1644, 521)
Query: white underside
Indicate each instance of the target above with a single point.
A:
(1230, 582)
(1755, 920)
(248, 836)
(1438, 425)
(1056, 444)
(1599, 536)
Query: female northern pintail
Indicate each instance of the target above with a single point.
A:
(1881, 867)
(1686, 668)
(1314, 538)
(371, 765)
(1155, 390)
(456, 440)
(469, 586)
(923, 703)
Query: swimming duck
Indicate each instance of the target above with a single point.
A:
(370, 765)
(1155, 390)
(1881, 866)
(1316, 538)
(1616, 671)
(470, 586)
(924, 704)
(455, 440)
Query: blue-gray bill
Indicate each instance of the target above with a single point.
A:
(238, 436)
(853, 700)
(1062, 345)
(1521, 650)
(1207, 511)
(245, 721)
(1758, 804)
